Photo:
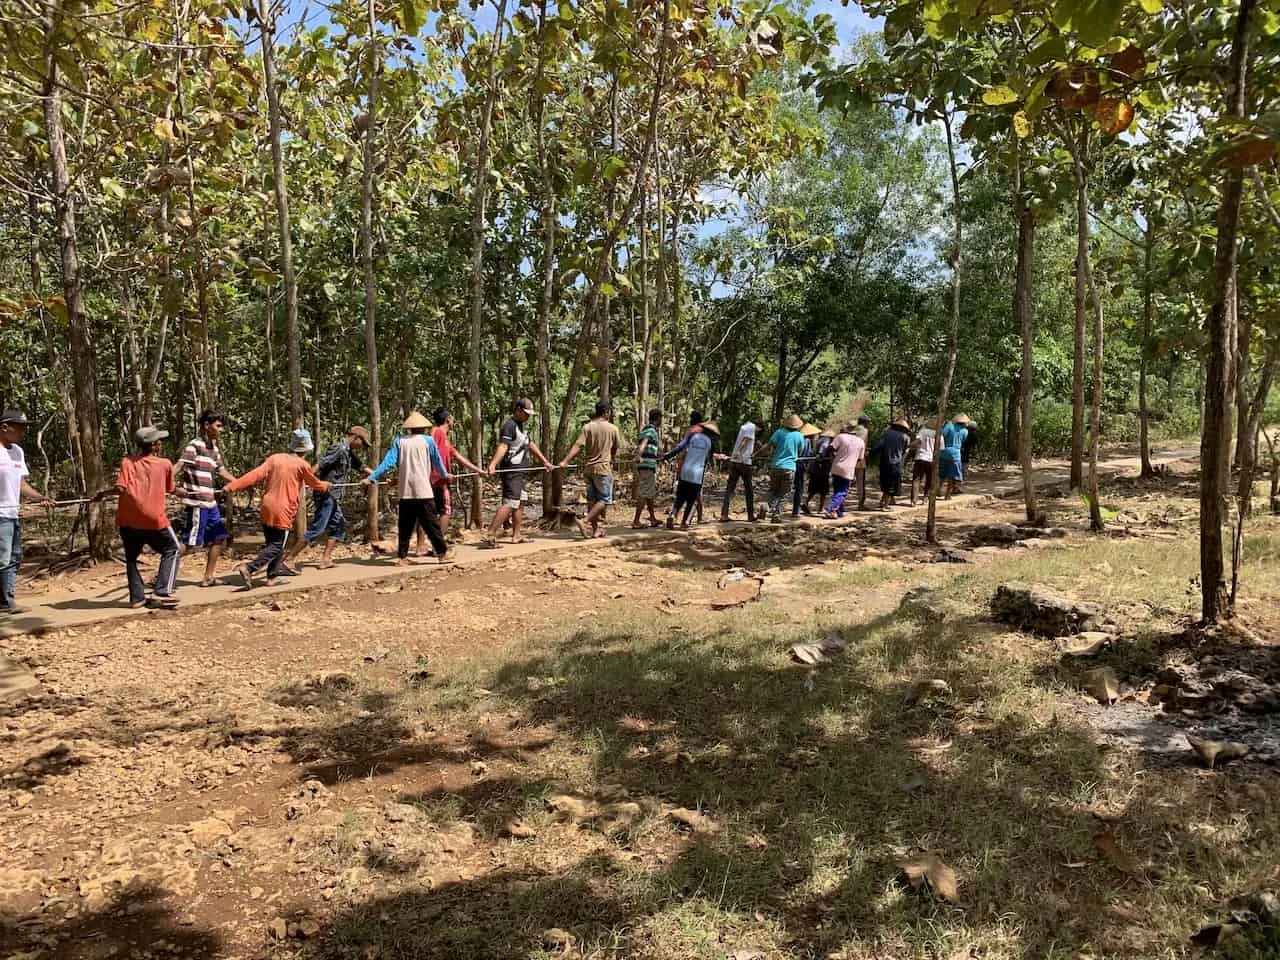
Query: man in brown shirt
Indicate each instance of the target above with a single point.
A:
(600, 437)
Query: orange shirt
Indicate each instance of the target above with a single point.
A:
(143, 481)
(283, 475)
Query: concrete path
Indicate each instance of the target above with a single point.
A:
(56, 611)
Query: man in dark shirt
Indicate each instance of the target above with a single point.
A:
(334, 467)
(892, 450)
(970, 444)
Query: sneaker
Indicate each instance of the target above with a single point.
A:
(162, 603)
(15, 611)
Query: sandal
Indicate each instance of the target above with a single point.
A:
(488, 545)
(523, 539)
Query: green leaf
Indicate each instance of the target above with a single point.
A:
(112, 188)
(612, 167)
(999, 96)
(1096, 20)
(330, 291)
(608, 289)
(1151, 6)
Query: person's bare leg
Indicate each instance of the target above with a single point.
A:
(635, 521)
(653, 517)
(326, 559)
(211, 564)
(499, 518)
(517, 525)
(420, 548)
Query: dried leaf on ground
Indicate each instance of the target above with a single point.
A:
(517, 830)
(693, 821)
(558, 941)
(1217, 751)
(827, 650)
(1088, 644)
(925, 687)
(1109, 847)
(929, 870)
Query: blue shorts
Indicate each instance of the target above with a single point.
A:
(600, 490)
(948, 469)
(329, 519)
(203, 527)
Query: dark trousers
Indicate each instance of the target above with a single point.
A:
(860, 481)
(739, 471)
(419, 513)
(687, 494)
(272, 553)
(797, 493)
(163, 542)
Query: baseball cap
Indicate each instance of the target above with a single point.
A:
(16, 417)
(300, 441)
(149, 434)
(525, 404)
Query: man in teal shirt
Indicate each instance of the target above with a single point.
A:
(785, 446)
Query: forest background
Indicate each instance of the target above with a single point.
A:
(1057, 217)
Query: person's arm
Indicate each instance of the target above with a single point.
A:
(250, 479)
(436, 463)
(388, 463)
(467, 463)
(311, 480)
(497, 457)
(678, 448)
(539, 454)
(573, 451)
(226, 475)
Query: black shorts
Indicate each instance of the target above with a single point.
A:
(820, 483)
(512, 489)
(891, 482)
(922, 470)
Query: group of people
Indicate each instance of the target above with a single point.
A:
(833, 462)
(804, 462)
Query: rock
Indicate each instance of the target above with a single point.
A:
(995, 534)
(618, 818)
(1087, 644)
(568, 807)
(205, 833)
(825, 651)
(400, 812)
(518, 830)
(693, 821)
(1041, 611)
(307, 928)
(924, 603)
(952, 555)
(1217, 751)
(1102, 684)
(479, 768)
(556, 940)
(279, 928)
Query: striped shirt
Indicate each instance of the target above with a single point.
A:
(200, 463)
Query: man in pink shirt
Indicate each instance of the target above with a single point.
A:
(847, 452)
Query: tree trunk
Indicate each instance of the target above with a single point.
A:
(1084, 272)
(1144, 351)
(83, 371)
(604, 257)
(1253, 425)
(646, 319)
(293, 344)
(548, 212)
(480, 181)
(368, 158)
(1244, 337)
(780, 382)
(1024, 313)
(1215, 437)
(1080, 301)
(953, 339)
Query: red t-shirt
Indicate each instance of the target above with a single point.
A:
(143, 481)
(440, 437)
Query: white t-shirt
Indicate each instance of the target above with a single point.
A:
(745, 445)
(928, 439)
(13, 467)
